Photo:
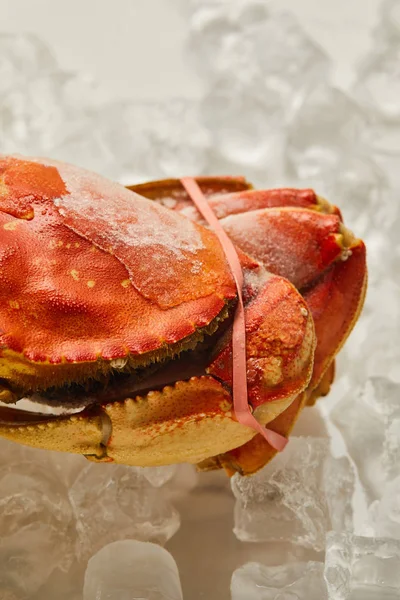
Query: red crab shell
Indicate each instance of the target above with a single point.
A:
(95, 277)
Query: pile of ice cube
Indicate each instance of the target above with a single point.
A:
(270, 113)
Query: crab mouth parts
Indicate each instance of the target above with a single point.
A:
(118, 385)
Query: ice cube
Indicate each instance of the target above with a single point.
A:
(327, 125)
(246, 124)
(37, 530)
(139, 141)
(114, 503)
(180, 142)
(219, 40)
(158, 476)
(63, 585)
(294, 581)
(310, 423)
(389, 26)
(239, 41)
(183, 482)
(11, 452)
(236, 12)
(62, 465)
(22, 57)
(303, 493)
(67, 466)
(365, 419)
(90, 151)
(385, 513)
(131, 569)
(377, 89)
(8, 594)
(391, 448)
(40, 115)
(360, 187)
(289, 59)
(362, 568)
(372, 349)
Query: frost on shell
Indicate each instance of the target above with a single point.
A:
(125, 218)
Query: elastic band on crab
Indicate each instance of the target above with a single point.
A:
(239, 385)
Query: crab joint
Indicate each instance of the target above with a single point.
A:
(106, 430)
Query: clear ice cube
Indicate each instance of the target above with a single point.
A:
(130, 570)
(360, 187)
(67, 466)
(185, 479)
(245, 124)
(114, 502)
(293, 581)
(327, 125)
(372, 349)
(288, 57)
(389, 26)
(63, 585)
(377, 89)
(36, 116)
(385, 513)
(362, 568)
(22, 58)
(159, 476)
(368, 421)
(138, 141)
(240, 41)
(219, 39)
(299, 496)
(37, 529)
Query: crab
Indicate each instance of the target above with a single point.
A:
(117, 304)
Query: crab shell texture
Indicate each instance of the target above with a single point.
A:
(99, 282)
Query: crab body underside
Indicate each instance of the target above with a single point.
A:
(117, 304)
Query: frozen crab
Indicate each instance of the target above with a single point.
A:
(116, 308)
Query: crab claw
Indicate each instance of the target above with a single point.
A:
(254, 454)
(191, 420)
(81, 434)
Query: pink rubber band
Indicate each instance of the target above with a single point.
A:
(239, 385)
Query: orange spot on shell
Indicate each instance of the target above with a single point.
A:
(10, 226)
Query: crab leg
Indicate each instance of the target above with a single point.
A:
(230, 196)
(171, 193)
(320, 257)
(333, 289)
(191, 419)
